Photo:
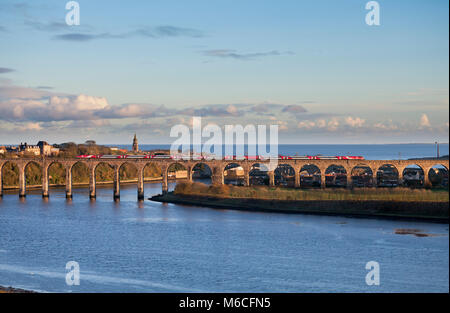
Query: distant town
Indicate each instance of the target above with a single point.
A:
(69, 149)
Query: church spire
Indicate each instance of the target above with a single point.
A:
(135, 144)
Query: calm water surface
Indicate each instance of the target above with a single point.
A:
(153, 247)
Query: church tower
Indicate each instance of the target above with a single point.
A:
(135, 144)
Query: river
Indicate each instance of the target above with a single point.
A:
(131, 246)
(153, 247)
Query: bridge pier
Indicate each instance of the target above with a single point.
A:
(190, 172)
(349, 182)
(246, 178)
(217, 177)
(116, 184)
(165, 184)
(22, 182)
(271, 175)
(400, 176)
(140, 187)
(217, 180)
(323, 180)
(348, 177)
(374, 177)
(92, 187)
(426, 177)
(44, 181)
(68, 183)
(297, 178)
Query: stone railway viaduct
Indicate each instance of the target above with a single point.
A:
(217, 168)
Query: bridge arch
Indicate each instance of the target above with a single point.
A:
(152, 171)
(79, 172)
(128, 171)
(413, 175)
(258, 175)
(284, 175)
(438, 176)
(175, 171)
(175, 167)
(56, 173)
(33, 173)
(335, 176)
(387, 176)
(104, 172)
(362, 176)
(233, 174)
(9, 172)
(310, 176)
(201, 172)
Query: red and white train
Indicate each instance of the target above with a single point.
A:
(198, 157)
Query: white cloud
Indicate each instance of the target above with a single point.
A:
(282, 125)
(385, 126)
(333, 124)
(30, 127)
(89, 123)
(306, 125)
(354, 122)
(424, 121)
(78, 103)
(232, 109)
(31, 110)
(72, 108)
(321, 123)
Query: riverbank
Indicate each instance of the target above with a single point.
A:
(14, 290)
(282, 193)
(431, 207)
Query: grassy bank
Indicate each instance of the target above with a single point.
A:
(277, 193)
(426, 205)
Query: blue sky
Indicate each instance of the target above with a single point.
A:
(312, 67)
